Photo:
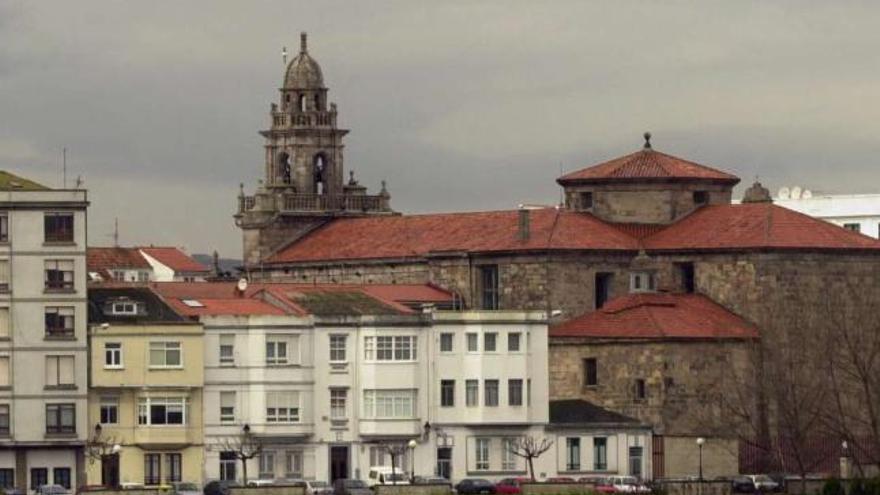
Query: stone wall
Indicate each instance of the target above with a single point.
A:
(432, 489)
(682, 457)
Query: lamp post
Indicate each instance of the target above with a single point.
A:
(700, 442)
(412, 462)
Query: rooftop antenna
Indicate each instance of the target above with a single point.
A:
(64, 168)
(79, 181)
(115, 234)
(561, 190)
(284, 54)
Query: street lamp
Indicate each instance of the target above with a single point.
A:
(412, 454)
(700, 442)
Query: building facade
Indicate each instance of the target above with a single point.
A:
(856, 212)
(145, 398)
(42, 334)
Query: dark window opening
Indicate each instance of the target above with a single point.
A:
(283, 167)
(152, 469)
(318, 102)
(302, 103)
(855, 227)
(701, 197)
(586, 200)
(320, 172)
(60, 418)
(489, 287)
(58, 227)
(39, 477)
(591, 372)
(686, 270)
(61, 476)
(447, 393)
(640, 391)
(7, 478)
(602, 288)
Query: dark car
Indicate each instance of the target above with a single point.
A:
(348, 486)
(475, 485)
(219, 487)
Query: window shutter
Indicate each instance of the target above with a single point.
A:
(4, 371)
(4, 272)
(4, 322)
(66, 364)
(51, 370)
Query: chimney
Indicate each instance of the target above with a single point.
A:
(523, 223)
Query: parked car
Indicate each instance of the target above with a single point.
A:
(627, 484)
(561, 479)
(383, 475)
(312, 487)
(219, 487)
(260, 482)
(602, 485)
(348, 486)
(13, 491)
(754, 483)
(185, 488)
(430, 480)
(510, 485)
(475, 485)
(51, 490)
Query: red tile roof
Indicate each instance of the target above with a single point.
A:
(716, 227)
(668, 316)
(755, 226)
(420, 235)
(647, 164)
(104, 259)
(175, 259)
(222, 298)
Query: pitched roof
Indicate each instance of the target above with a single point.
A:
(223, 298)
(658, 315)
(175, 259)
(103, 260)
(647, 164)
(755, 226)
(421, 235)
(154, 308)
(10, 181)
(581, 412)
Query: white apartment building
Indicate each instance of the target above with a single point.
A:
(856, 212)
(43, 366)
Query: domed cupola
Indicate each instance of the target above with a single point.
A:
(303, 72)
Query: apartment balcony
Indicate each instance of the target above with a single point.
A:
(391, 427)
(172, 435)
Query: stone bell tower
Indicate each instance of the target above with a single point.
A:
(303, 186)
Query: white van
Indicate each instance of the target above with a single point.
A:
(382, 475)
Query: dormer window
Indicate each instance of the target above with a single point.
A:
(124, 308)
(586, 200)
(642, 282)
(701, 197)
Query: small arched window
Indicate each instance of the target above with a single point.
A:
(318, 102)
(320, 172)
(282, 168)
(302, 103)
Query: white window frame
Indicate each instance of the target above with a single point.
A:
(508, 458)
(338, 348)
(472, 393)
(274, 356)
(61, 379)
(280, 411)
(293, 464)
(401, 403)
(227, 417)
(481, 453)
(145, 406)
(642, 281)
(451, 341)
(113, 356)
(124, 308)
(493, 340)
(391, 348)
(226, 360)
(267, 464)
(108, 402)
(338, 403)
(167, 346)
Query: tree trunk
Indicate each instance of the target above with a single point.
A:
(532, 467)
(393, 470)
(243, 471)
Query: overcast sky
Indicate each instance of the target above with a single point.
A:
(459, 105)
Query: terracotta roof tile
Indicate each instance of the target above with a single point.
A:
(658, 315)
(175, 259)
(755, 226)
(105, 259)
(647, 164)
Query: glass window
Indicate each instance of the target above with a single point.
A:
(227, 350)
(162, 410)
(60, 418)
(4, 420)
(389, 403)
(61, 476)
(112, 355)
(58, 274)
(109, 410)
(855, 227)
(4, 371)
(58, 227)
(573, 454)
(490, 342)
(276, 352)
(446, 341)
(640, 391)
(489, 287)
(267, 465)
(472, 392)
(228, 463)
(7, 478)
(508, 458)
(282, 407)
(481, 454)
(152, 469)
(337, 347)
(338, 398)
(60, 371)
(491, 392)
(124, 308)
(635, 461)
(294, 464)
(447, 393)
(165, 355)
(515, 392)
(404, 348)
(39, 477)
(513, 341)
(591, 372)
(227, 407)
(59, 321)
(384, 348)
(4, 227)
(642, 282)
(387, 348)
(173, 467)
(600, 454)
(473, 342)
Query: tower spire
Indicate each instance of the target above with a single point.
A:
(302, 42)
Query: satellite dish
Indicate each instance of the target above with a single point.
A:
(807, 194)
(796, 192)
(242, 284)
(784, 193)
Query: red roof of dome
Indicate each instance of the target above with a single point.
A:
(647, 164)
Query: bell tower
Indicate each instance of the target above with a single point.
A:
(303, 185)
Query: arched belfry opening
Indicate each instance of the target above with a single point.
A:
(320, 173)
(302, 103)
(283, 168)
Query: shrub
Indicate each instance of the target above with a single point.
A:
(833, 486)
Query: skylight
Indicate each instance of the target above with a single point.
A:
(192, 303)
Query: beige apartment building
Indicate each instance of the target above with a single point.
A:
(42, 334)
(145, 396)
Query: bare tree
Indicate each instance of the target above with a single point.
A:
(396, 451)
(529, 448)
(245, 446)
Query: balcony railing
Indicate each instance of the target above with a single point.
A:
(317, 202)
